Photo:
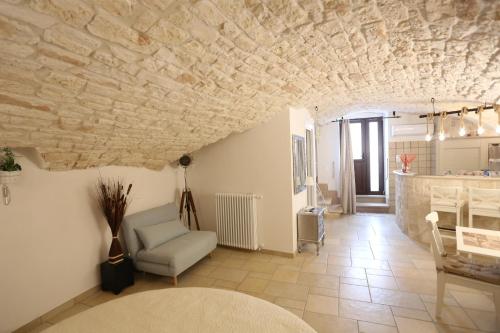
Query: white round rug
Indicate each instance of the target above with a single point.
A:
(184, 310)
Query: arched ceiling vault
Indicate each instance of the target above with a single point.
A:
(139, 82)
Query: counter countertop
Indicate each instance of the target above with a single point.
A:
(452, 177)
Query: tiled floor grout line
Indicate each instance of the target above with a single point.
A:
(387, 253)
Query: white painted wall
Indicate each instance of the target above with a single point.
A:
(256, 161)
(329, 155)
(53, 237)
(300, 120)
(457, 154)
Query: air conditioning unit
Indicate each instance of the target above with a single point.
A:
(411, 130)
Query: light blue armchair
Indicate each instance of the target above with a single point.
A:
(158, 243)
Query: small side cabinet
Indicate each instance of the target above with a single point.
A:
(310, 227)
(116, 277)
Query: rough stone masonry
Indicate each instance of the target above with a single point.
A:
(139, 82)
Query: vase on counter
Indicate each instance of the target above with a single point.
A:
(406, 160)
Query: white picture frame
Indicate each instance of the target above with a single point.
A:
(464, 246)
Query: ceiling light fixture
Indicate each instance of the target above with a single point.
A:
(430, 118)
(480, 128)
(442, 134)
(464, 112)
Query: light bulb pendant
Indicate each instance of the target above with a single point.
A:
(442, 134)
(480, 128)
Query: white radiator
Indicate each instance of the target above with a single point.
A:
(236, 216)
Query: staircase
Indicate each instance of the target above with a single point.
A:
(372, 204)
(329, 200)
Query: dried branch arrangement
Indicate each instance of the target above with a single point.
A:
(113, 201)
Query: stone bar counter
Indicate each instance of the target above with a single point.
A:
(413, 201)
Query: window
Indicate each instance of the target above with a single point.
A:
(373, 136)
(356, 141)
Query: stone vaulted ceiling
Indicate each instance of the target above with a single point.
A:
(139, 82)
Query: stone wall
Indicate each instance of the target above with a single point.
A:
(139, 82)
(413, 197)
(424, 164)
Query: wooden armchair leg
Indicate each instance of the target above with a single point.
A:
(496, 299)
(441, 283)
(210, 255)
(174, 280)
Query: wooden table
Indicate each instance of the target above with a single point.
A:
(485, 242)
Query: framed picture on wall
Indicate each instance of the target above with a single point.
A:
(299, 163)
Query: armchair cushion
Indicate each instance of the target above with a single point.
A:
(154, 235)
(181, 252)
(464, 267)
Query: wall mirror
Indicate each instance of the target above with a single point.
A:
(299, 163)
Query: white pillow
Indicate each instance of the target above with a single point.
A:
(157, 234)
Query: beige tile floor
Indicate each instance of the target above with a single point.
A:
(369, 277)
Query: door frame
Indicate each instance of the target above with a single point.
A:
(366, 151)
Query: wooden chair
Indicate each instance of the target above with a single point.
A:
(483, 202)
(461, 271)
(448, 199)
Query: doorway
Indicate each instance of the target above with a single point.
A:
(367, 141)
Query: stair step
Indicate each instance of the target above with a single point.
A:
(370, 198)
(334, 210)
(372, 207)
(371, 204)
(326, 202)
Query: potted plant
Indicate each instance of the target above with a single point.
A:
(113, 200)
(9, 169)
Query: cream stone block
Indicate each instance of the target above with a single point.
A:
(145, 21)
(16, 49)
(112, 29)
(118, 7)
(322, 304)
(62, 55)
(166, 32)
(375, 313)
(27, 15)
(73, 12)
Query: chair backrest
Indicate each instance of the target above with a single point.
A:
(484, 198)
(444, 194)
(436, 241)
(151, 216)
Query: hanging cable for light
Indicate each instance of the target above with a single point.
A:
(496, 107)
(442, 134)
(430, 119)
(480, 128)
(464, 112)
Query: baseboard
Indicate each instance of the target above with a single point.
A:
(57, 310)
(273, 252)
(77, 299)
(279, 253)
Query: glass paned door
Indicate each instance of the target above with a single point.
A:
(367, 151)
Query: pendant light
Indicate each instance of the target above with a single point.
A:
(442, 134)
(480, 128)
(430, 119)
(464, 112)
(496, 107)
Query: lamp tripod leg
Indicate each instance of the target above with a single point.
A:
(191, 201)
